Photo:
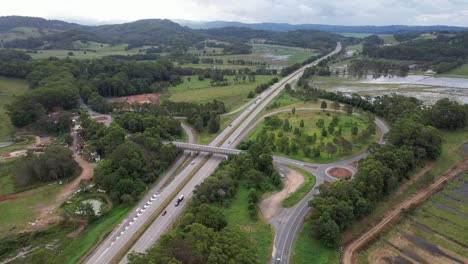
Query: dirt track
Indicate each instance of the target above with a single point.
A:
(348, 256)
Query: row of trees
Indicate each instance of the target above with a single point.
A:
(203, 234)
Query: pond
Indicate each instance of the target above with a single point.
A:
(5, 144)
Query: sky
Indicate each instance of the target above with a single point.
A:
(342, 12)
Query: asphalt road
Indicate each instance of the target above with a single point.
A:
(121, 236)
(289, 221)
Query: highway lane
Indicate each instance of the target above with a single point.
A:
(114, 244)
(119, 232)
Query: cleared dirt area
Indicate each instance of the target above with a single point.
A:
(393, 215)
(339, 173)
(270, 205)
(150, 98)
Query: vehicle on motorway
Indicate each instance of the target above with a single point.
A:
(193, 162)
(164, 213)
(278, 260)
(180, 199)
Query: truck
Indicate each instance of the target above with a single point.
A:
(181, 197)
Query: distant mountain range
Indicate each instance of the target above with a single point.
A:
(39, 33)
(391, 29)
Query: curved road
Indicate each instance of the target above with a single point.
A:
(289, 221)
(201, 167)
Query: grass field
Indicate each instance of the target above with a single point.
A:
(355, 35)
(8, 89)
(310, 118)
(460, 72)
(93, 50)
(389, 39)
(308, 250)
(261, 233)
(17, 213)
(196, 91)
(309, 183)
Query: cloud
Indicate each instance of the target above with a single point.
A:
(351, 12)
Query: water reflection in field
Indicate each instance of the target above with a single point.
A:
(426, 88)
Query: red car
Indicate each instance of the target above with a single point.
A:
(164, 213)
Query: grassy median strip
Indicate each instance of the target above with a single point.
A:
(116, 259)
(309, 183)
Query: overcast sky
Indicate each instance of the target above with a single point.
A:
(343, 12)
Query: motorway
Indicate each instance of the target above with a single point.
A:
(203, 165)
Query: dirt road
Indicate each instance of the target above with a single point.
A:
(348, 256)
(46, 215)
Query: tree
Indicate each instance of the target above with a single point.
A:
(293, 111)
(320, 123)
(301, 124)
(86, 209)
(330, 148)
(323, 105)
(324, 132)
(354, 130)
(286, 125)
(348, 109)
(213, 125)
(336, 105)
(210, 217)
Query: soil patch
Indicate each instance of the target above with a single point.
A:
(270, 205)
(76, 232)
(354, 164)
(150, 98)
(311, 166)
(101, 118)
(433, 249)
(386, 256)
(7, 197)
(339, 173)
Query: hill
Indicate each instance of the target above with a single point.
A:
(148, 32)
(390, 29)
(8, 23)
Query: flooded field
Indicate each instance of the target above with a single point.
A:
(426, 88)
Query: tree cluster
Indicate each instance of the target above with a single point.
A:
(54, 164)
(199, 115)
(130, 165)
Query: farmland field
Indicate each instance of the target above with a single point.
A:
(436, 232)
(274, 55)
(90, 50)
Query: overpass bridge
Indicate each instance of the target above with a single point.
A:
(204, 148)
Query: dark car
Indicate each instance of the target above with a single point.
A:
(164, 213)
